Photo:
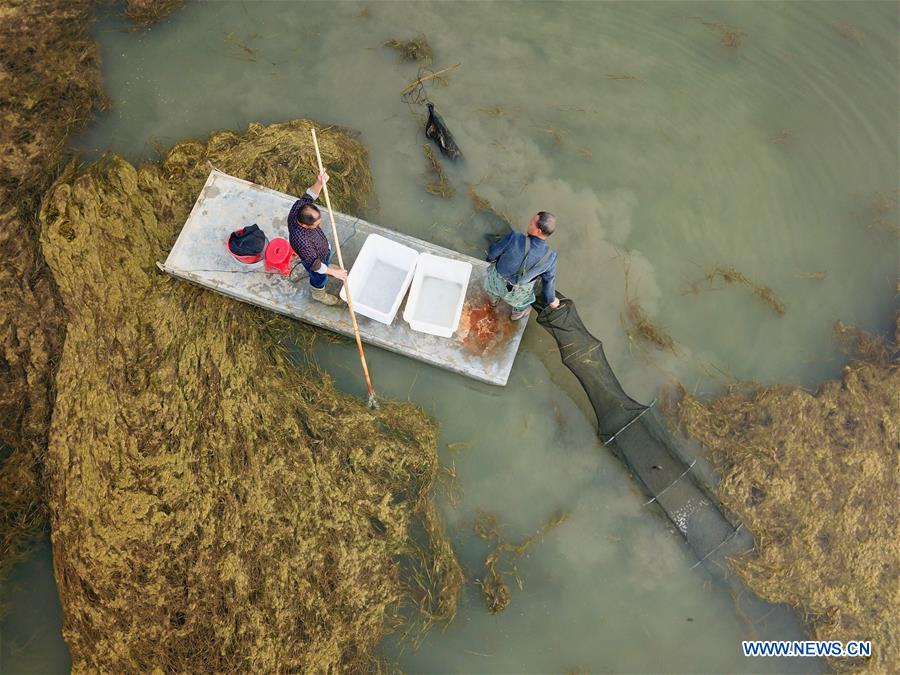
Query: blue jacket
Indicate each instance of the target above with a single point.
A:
(508, 254)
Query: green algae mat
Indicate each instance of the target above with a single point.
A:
(816, 476)
(211, 503)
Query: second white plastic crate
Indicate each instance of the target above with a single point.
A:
(437, 295)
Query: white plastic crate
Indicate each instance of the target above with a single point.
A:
(380, 277)
(437, 295)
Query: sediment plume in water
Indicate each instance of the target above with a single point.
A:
(211, 503)
(482, 205)
(815, 478)
(49, 83)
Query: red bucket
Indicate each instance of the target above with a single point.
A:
(248, 259)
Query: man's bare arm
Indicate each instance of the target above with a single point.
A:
(316, 187)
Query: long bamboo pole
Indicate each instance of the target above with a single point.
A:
(373, 403)
(428, 77)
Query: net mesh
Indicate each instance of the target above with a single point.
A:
(636, 435)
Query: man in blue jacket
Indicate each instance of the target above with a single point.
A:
(517, 261)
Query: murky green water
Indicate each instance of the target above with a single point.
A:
(763, 157)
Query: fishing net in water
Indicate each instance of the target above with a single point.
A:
(814, 476)
(636, 435)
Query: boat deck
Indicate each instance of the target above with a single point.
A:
(484, 346)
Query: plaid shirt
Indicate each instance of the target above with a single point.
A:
(310, 244)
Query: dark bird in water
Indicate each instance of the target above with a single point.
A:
(436, 130)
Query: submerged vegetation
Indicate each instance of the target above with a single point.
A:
(640, 326)
(416, 49)
(815, 478)
(637, 323)
(49, 82)
(730, 37)
(482, 205)
(212, 503)
(145, 13)
(731, 276)
(849, 32)
(500, 563)
(437, 185)
(882, 212)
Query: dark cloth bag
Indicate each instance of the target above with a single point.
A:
(248, 241)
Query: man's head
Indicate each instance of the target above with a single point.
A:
(542, 224)
(310, 217)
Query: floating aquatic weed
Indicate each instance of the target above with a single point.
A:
(814, 477)
(637, 322)
(730, 276)
(486, 525)
(448, 479)
(556, 134)
(494, 111)
(459, 445)
(497, 568)
(640, 326)
(145, 13)
(849, 32)
(245, 52)
(226, 507)
(483, 205)
(438, 186)
(731, 37)
(49, 84)
(496, 591)
(416, 49)
(479, 202)
(784, 137)
(882, 212)
(859, 344)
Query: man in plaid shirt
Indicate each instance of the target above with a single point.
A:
(311, 244)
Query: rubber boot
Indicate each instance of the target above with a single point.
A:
(322, 296)
(518, 316)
